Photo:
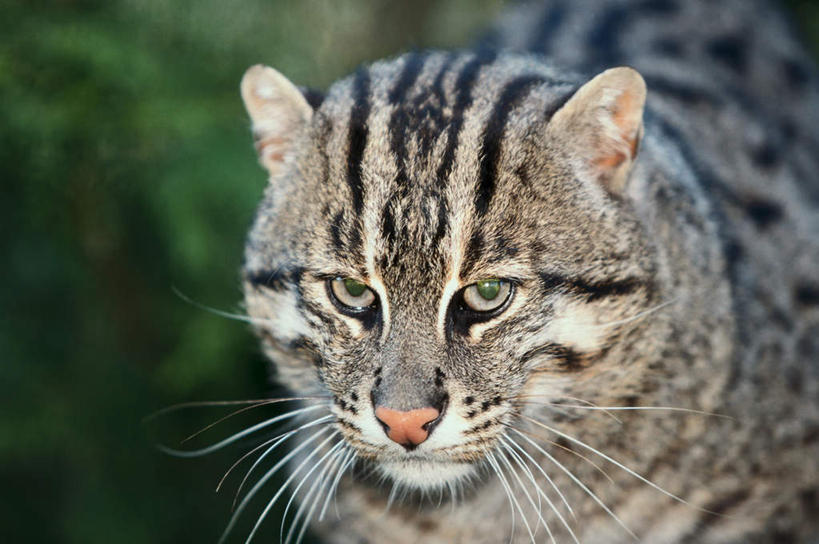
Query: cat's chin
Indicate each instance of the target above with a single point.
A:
(426, 474)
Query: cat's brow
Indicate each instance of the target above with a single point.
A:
(594, 289)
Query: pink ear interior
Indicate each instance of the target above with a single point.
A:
(599, 128)
(279, 113)
(625, 114)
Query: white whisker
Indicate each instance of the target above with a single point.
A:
(545, 475)
(269, 474)
(532, 399)
(391, 498)
(646, 408)
(320, 478)
(348, 461)
(452, 494)
(238, 436)
(640, 315)
(280, 438)
(284, 437)
(514, 504)
(232, 414)
(212, 403)
(540, 491)
(614, 462)
(509, 451)
(579, 483)
(221, 313)
(336, 465)
(287, 482)
(531, 501)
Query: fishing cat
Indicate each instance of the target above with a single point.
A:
(540, 296)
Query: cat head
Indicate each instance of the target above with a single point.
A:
(446, 240)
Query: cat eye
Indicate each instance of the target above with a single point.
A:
(487, 295)
(351, 294)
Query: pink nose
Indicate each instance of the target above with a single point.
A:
(407, 428)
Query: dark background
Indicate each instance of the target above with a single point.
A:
(127, 170)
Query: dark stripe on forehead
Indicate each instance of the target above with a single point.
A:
(427, 138)
(474, 248)
(335, 232)
(463, 87)
(443, 212)
(358, 134)
(513, 93)
(413, 64)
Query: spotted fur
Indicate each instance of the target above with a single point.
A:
(683, 275)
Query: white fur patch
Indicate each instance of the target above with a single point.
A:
(576, 325)
(286, 321)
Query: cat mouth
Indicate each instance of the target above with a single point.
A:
(426, 472)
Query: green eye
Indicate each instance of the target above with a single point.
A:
(351, 293)
(487, 295)
(488, 289)
(354, 288)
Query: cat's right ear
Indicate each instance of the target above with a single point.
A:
(600, 127)
(279, 112)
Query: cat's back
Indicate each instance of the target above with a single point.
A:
(734, 94)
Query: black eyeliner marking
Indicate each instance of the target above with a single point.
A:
(369, 316)
(593, 290)
(275, 280)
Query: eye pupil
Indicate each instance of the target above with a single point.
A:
(488, 289)
(355, 288)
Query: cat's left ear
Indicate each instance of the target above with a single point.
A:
(600, 127)
(280, 112)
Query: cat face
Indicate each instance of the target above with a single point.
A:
(445, 242)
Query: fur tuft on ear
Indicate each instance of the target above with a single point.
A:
(278, 110)
(600, 126)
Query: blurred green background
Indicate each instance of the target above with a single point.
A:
(128, 170)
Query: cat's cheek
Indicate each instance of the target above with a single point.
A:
(281, 315)
(576, 325)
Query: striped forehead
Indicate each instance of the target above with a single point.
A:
(415, 145)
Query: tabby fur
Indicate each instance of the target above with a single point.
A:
(664, 256)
